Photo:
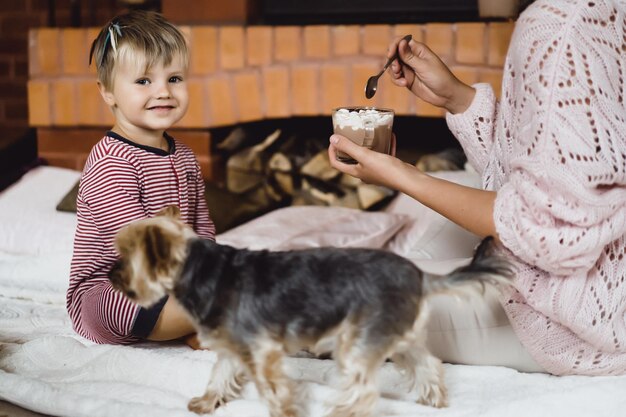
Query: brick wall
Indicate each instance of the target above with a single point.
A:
(240, 74)
(16, 17)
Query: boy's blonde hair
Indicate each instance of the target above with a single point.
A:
(148, 33)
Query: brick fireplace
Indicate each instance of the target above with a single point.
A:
(241, 73)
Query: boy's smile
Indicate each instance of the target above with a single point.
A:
(147, 101)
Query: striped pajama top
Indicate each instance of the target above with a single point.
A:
(121, 182)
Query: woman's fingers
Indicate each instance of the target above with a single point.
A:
(340, 143)
(399, 74)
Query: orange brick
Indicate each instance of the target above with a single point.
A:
(81, 160)
(197, 112)
(205, 167)
(499, 39)
(90, 104)
(70, 141)
(92, 110)
(276, 94)
(399, 99)
(287, 43)
(248, 95)
(304, 90)
(74, 56)
(231, 47)
(62, 160)
(198, 140)
(222, 109)
(469, 75)
(33, 61)
(203, 58)
(107, 115)
(428, 110)
(317, 41)
(409, 29)
(438, 37)
(39, 103)
(91, 35)
(259, 45)
(493, 77)
(46, 53)
(334, 86)
(470, 43)
(376, 39)
(346, 40)
(33, 52)
(176, 11)
(64, 103)
(360, 73)
(213, 168)
(186, 31)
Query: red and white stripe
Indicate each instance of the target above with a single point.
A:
(122, 182)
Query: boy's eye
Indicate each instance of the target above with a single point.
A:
(143, 81)
(176, 79)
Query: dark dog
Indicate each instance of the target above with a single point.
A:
(252, 307)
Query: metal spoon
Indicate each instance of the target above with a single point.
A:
(372, 82)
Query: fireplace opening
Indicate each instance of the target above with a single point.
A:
(287, 12)
(276, 163)
(415, 135)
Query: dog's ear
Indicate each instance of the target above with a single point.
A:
(170, 211)
(157, 247)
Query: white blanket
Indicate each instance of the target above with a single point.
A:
(46, 367)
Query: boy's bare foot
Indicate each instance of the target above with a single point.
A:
(192, 341)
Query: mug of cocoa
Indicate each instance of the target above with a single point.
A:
(366, 126)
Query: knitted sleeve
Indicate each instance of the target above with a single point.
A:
(474, 128)
(565, 195)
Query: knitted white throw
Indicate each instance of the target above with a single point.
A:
(554, 148)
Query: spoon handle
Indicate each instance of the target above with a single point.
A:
(395, 56)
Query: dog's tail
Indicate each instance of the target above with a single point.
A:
(486, 267)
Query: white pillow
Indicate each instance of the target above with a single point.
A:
(300, 227)
(430, 235)
(29, 221)
(36, 239)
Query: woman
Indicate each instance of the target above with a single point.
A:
(552, 157)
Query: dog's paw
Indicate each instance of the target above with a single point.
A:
(358, 408)
(433, 395)
(341, 412)
(206, 404)
(284, 412)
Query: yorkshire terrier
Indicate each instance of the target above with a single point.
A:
(252, 307)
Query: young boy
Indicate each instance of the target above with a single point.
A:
(133, 172)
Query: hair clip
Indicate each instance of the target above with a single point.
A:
(111, 35)
(114, 30)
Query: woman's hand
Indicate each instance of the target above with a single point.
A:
(372, 167)
(470, 208)
(422, 71)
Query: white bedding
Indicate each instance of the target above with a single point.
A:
(47, 368)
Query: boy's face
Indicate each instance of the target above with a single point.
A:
(151, 100)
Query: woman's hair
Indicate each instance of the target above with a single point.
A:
(144, 37)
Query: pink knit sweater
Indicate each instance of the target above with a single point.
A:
(554, 148)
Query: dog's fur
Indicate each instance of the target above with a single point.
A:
(252, 307)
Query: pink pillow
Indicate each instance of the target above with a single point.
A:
(300, 227)
(430, 235)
